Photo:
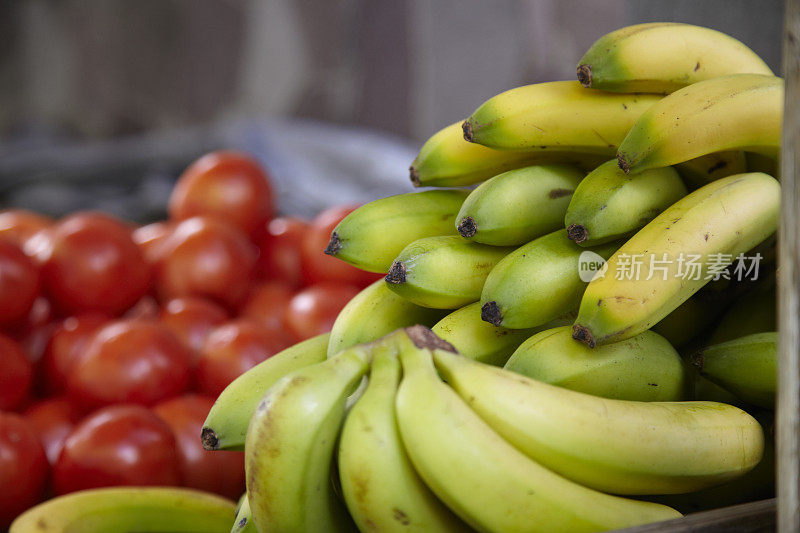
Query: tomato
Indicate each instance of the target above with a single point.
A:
(221, 472)
(19, 225)
(129, 361)
(267, 304)
(90, 263)
(53, 420)
(191, 319)
(69, 340)
(231, 186)
(19, 283)
(313, 310)
(147, 308)
(117, 445)
(150, 239)
(317, 266)
(34, 331)
(209, 258)
(16, 375)
(234, 348)
(280, 258)
(23, 467)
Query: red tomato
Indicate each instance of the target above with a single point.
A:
(117, 445)
(35, 330)
(234, 348)
(19, 225)
(53, 420)
(191, 319)
(280, 258)
(69, 340)
(90, 263)
(313, 310)
(206, 257)
(150, 239)
(16, 375)
(317, 266)
(267, 304)
(231, 186)
(221, 472)
(19, 283)
(129, 361)
(23, 467)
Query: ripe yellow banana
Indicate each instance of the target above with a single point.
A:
(225, 427)
(652, 273)
(615, 446)
(128, 509)
(243, 523)
(485, 480)
(736, 112)
(559, 115)
(707, 168)
(662, 57)
(371, 236)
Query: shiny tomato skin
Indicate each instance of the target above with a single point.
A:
(313, 310)
(20, 283)
(281, 251)
(267, 304)
(68, 341)
(150, 239)
(23, 467)
(221, 472)
(16, 375)
(53, 419)
(191, 319)
(19, 225)
(117, 445)
(231, 186)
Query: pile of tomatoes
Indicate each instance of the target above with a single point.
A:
(116, 339)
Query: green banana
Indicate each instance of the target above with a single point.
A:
(761, 163)
(559, 115)
(707, 168)
(747, 367)
(380, 486)
(289, 452)
(608, 204)
(485, 480)
(709, 228)
(371, 236)
(689, 320)
(443, 272)
(243, 523)
(644, 368)
(736, 112)
(225, 427)
(537, 282)
(129, 510)
(373, 313)
(615, 446)
(519, 205)
(753, 313)
(662, 57)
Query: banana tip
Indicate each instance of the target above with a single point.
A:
(623, 163)
(577, 233)
(584, 335)
(397, 273)
(697, 361)
(468, 133)
(467, 227)
(209, 439)
(334, 245)
(490, 312)
(423, 337)
(585, 75)
(413, 173)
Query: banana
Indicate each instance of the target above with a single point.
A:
(129, 509)
(644, 368)
(747, 367)
(761, 163)
(380, 486)
(559, 115)
(289, 450)
(373, 313)
(689, 320)
(371, 236)
(707, 168)
(753, 313)
(736, 112)
(225, 427)
(519, 205)
(608, 204)
(485, 480)
(708, 228)
(243, 523)
(615, 446)
(662, 57)
(537, 282)
(443, 272)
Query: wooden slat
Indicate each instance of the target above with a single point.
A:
(754, 517)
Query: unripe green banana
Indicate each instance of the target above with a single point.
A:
(608, 204)
(662, 57)
(737, 112)
(708, 228)
(644, 368)
(243, 523)
(485, 480)
(752, 313)
(707, 168)
(537, 282)
(290, 445)
(519, 205)
(559, 115)
(443, 272)
(747, 366)
(761, 163)
(371, 236)
(225, 427)
(122, 509)
(689, 320)
(373, 313)
(615, 446)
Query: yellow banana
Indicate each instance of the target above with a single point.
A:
(707, 168)
(243, 523)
